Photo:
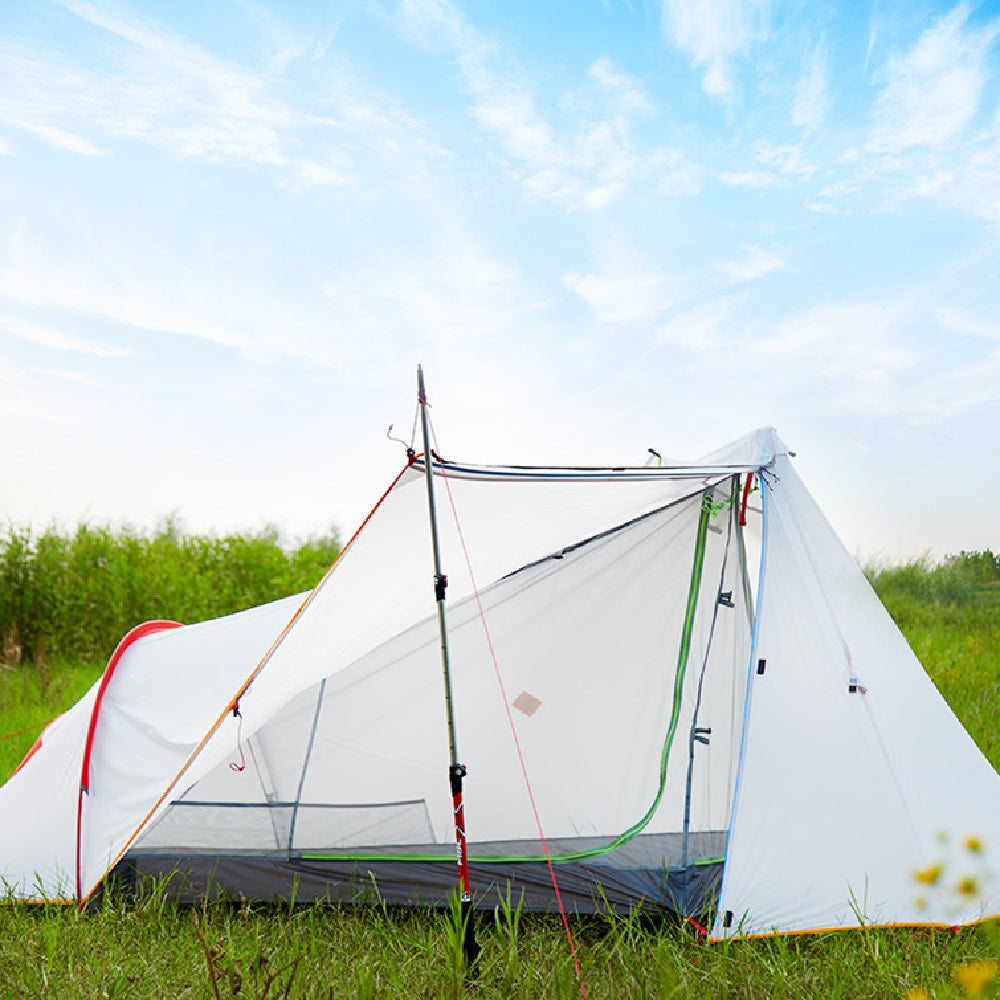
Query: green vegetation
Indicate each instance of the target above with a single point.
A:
(66, 599)
(73, 596)
(950, 613)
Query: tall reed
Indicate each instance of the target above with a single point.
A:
(73, 595)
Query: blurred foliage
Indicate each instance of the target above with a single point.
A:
(74, 595)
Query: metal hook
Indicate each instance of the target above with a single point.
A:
(410, 453)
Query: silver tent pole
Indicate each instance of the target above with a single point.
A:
(456, 771)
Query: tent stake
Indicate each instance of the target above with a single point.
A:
(456, 771)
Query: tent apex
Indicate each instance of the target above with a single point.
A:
(757, 449)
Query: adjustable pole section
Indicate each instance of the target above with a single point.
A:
(456, 771)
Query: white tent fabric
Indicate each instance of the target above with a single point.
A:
(672, 736)
(843, 797)
(167, 690)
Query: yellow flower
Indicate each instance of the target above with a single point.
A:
(973, 845)
(973, 976)
(929, 876)
(968, 887)
(917, 993)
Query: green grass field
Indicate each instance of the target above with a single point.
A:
(56, 638)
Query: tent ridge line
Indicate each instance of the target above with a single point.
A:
(573, 546)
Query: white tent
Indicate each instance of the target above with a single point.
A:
(702, 729)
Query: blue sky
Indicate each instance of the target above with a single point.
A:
(230, 231)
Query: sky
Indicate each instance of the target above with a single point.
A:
(229, 232)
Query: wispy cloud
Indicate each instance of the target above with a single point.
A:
(961, 323)
(870, 357)
(626, 289)
(713, 32)
(78, 378)
(586, 167)
(57, 340)
(58, 137)
(748, 178)
(624, 89)
(755, 263)
(770, 165)
(161, 91)
(158, 88)
(931, 93)
(790, 160)
(452, 291)
(925, 139)
(811, 96)
(455, 293)
(855, 353)
(701, 330)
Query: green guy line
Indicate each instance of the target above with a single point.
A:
(683, 654)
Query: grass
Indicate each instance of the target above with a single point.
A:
(154, 949)
(950, 613)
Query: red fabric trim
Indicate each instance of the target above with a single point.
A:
(746, 497)
(139, 632)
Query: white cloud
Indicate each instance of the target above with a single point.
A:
(627, 289)
(953, 391)
(590, 165)
(448, 289)
(748, 178)
(57, 340)
(161, 91)
(772, 164)
(68, 376)
(454, 293)
(159, 88)
(977, 177)
(700, 330)
(932, 91)
(755, 263)
(811, 99)
(622, 87)
(789, 160)
(59, 137)
(964, 324)
(5, 149)
(712, 32)
(129, 300)
(848, 356)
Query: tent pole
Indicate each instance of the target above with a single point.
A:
(456, 771)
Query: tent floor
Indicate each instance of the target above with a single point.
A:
(584, 887)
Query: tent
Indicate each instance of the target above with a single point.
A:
(713, 710)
